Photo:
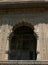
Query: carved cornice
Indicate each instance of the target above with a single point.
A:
(9, 7)
(22, 5)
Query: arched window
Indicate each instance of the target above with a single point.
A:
(23, 44)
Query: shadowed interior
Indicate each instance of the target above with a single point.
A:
(23, 44)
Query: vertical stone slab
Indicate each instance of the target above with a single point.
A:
(4, 42)
(38, 44)
(46, 39)
(39, 41)
(42, 42)
(0, 42)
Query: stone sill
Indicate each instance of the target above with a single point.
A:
(24, 62)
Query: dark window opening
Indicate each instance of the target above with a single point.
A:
(23, 44)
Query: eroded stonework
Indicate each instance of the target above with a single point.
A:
(36, 17)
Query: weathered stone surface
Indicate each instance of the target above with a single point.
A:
(24, 62)
(37, 18)
(19, 0)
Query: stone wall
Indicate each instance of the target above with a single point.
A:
(38, 19)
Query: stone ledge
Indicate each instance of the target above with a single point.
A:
(19, 0)
(23, 62)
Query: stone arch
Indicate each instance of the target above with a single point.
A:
(23, 42)
(23, 24)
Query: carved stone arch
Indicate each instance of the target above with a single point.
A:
(23, 24)
(12, 35)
